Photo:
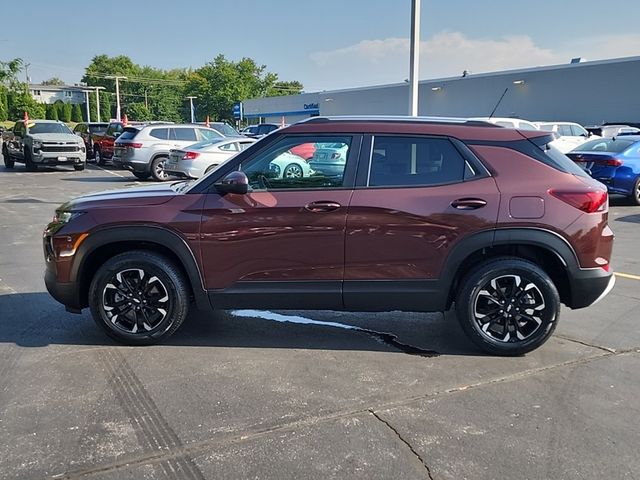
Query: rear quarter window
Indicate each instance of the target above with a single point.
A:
(160, 133)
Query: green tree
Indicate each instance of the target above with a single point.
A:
(9, 71)
(105, 107)
(76, 113)
(52, 112)
(53, 81)
(138, 112)
(67, 112)
(4, 104)
(20, 102)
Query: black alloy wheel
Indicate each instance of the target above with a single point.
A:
(508, 306)
(139, 297)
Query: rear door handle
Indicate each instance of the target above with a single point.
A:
(322, 206)
(468, 203)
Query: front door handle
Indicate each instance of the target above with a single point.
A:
(322, 206)
(468, 203)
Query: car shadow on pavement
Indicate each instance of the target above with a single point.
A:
(110, 179)
(36, 320)
(629, 219)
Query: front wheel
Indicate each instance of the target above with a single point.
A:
(293, 170)
(139, 297)
(508, 306)
(8, 161)
(28, 161)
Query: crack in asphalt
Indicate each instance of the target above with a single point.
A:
(405, 442)
(586, 344)
(192, 449)
(380, 337)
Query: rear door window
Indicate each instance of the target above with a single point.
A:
(413, 161)
(184, 134)
(160, 133)
(565, 131)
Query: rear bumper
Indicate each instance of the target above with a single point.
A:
(134, 166)
(589, 286)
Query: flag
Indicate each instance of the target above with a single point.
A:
(207, 123)
(125, 120)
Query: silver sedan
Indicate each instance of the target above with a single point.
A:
(200, 158)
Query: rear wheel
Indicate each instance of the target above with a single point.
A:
(139, 297)
(8, 161)
(634, 198)
(508, 306)
(98, 157)
(141, 175)
(78, 168)
(292, 170)
(28, 161)
(157, 169)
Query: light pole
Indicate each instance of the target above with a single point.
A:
(97, 89)
(414, 63)
(86, 96)
(193, 113)
(117, 78)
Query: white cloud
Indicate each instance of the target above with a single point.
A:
(371, 62)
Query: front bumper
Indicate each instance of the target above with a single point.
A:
(70, 158)
(68, 294)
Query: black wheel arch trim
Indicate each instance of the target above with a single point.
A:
(143, 233)
(551, 241)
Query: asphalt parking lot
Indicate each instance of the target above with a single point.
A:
(249, 394)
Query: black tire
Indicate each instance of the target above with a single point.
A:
(512, 329)
(79, 168)
(148, 317)
(28, 161)
(634, 198)
(97, 155)
(157, 169)
(141, 175)
(8, 161)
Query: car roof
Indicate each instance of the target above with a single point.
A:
(462, 128)
(224, 141)
(40, 120)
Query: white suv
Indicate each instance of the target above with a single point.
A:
(144, 150)
(570, 135)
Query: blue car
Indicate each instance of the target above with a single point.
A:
(614, 162)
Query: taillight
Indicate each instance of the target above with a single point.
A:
(589, 202)
(614, 162)
(190, 156)
(132, 145)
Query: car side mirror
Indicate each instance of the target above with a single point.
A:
(234, 182)
(116, 134)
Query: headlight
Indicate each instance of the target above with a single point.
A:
(65, 217)
(37, 145)
(81, 147)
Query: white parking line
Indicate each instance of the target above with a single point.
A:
(627, 275)
(109, 171)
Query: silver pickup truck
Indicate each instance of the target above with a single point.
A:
(43, 142)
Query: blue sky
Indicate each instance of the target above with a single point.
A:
(325, 44)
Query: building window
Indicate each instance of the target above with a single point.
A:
(36, 93)
(68, 93)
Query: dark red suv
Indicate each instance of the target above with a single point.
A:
(415, 215)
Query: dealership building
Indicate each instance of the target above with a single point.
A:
(589, 93)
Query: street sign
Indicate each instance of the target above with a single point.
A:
(237, 111)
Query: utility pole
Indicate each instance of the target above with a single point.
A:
(117, 78)
(193, 113)
(414, 62)
(26, 73)
(146, 101)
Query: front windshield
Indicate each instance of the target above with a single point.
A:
(225, 130)
(45, 127)
(609, 145)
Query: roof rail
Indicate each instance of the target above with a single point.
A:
(399, 119)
